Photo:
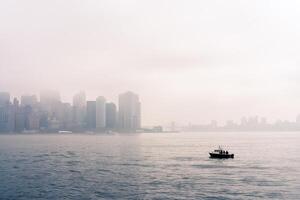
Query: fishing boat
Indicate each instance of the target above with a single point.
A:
(220, 153)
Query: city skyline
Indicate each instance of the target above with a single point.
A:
(50, 114)
(108, 116)
(189, 61)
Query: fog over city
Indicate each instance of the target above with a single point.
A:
(189, 61)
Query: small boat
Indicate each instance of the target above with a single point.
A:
(220, 153)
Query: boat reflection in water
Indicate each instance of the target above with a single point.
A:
(220, 153)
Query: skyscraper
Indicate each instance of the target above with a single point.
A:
(129, 112)
(100, 113)
(28, 100)
(31, 118)
(51, 106)
(20, 119)
(67, 117)
(7, 118)
(4, 98)
(7, 113)
(91, 115)
(79, 110)
(49, 97)
(111, 116)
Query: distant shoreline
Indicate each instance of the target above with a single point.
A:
(125, 133)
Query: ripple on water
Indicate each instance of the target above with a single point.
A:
(162, 168)
(74, 171)
(42, 155)
(184, 158)
(135, 165)
(73, 162)
(213, 166)
(71, 153)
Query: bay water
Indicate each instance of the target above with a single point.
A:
(150, 166)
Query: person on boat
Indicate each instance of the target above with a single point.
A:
(226, 152)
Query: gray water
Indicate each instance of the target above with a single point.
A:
(149, 166)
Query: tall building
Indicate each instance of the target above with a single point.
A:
(129, 112)
(32, 120)
(79, 99)
(44, 121)
(111, 116)
(79, 110)
(7, 118)
(20, 119)
(4, 98)
(67, 117)
(27, 115)
(29, 100)
(51, 105)
(7, 114)
(100, 113)
(91, 115)
(48, 97)
(50, 100)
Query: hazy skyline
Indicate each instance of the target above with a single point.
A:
(189, 61)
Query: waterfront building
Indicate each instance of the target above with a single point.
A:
(29, 100)
(50, 100)
(91, 115)
(20, 119)
(111, 116)
(32, 120)
(67, 117)
(129, 112)
(50, 104)
(4, 98)
(100, 113)
(79, 110)
(44, 120)
(54, 125)
(7, 117)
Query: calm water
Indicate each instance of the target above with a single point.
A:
(149, 166)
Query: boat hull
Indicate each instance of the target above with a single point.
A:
(221, 156)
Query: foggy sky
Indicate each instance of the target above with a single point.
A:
(190, 61)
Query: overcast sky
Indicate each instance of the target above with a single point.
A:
(190, 61)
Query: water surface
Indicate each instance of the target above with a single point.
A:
(149, 166)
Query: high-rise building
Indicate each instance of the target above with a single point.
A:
(32, 120)
(28, 100)
(79, 99)
(4, 98)
(129, 112)
(100, 113)
(44, 121)
(111, 116)
(67, 117)
(79, 110)
(91, 115)
(7, 118)
(27, 116)
(48, 97)
(20, 119)
(51, 105)
(50, 100)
